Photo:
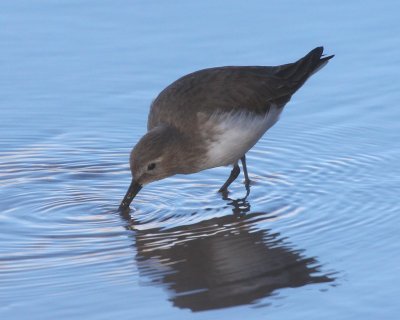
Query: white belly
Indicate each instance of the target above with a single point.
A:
(235, 134)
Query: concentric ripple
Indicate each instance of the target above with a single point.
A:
(59, 217)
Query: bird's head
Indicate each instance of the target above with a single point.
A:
(159, 154)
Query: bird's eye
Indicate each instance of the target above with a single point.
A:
(151, 166)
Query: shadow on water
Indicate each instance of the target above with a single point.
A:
(221, 262)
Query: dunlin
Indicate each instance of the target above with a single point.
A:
(212, 117)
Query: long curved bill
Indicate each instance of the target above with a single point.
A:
(133, 190)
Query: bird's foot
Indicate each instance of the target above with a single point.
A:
(247, 186)
(224, 192)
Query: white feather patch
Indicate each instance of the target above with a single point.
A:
(235, 134)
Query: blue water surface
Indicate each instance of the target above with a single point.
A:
(318, 236)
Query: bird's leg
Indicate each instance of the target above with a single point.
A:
(246, 175)
(234, 174)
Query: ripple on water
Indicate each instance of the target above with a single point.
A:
(337, 185)
(208, 251)
(222, 262)
(56, 220)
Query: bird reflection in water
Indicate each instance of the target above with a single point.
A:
(222, 262)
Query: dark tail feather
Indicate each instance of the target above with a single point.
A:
(320, 59)
(299, 71)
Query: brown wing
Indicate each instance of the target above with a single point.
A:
(228, 89)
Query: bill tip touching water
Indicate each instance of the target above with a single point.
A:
(212, 117)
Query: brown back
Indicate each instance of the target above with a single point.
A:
(231, 88)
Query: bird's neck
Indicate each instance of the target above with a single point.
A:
(186, 151)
